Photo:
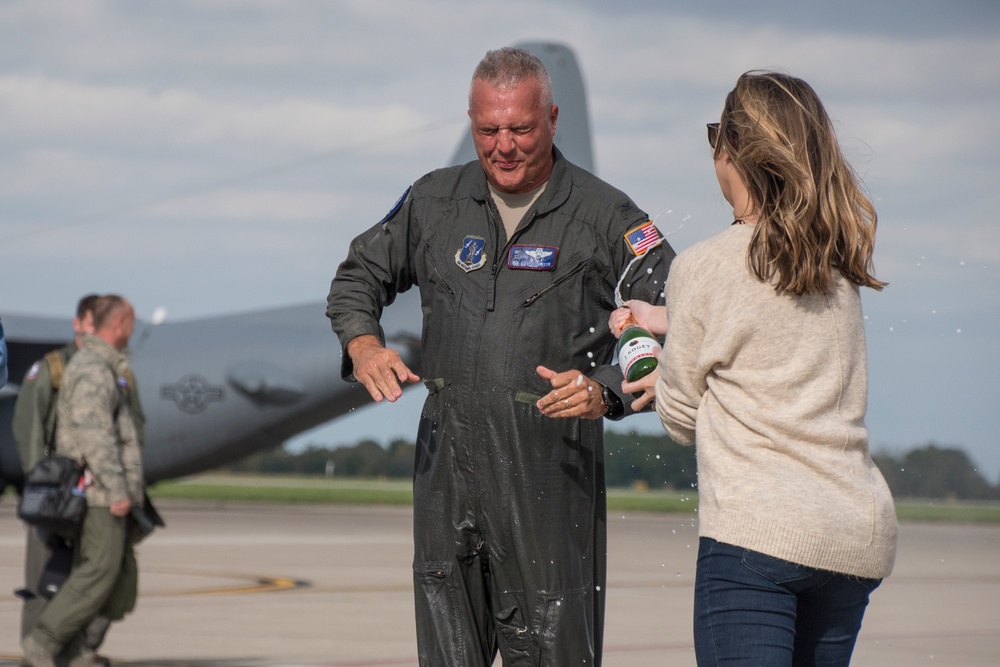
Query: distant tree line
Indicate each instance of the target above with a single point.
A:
(933, 471)
(636, 460)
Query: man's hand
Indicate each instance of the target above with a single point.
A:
(378, 368)
(573, 395)
(120, 508)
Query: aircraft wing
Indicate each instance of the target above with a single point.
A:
(217, 389)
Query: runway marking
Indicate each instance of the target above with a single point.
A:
(259, 584)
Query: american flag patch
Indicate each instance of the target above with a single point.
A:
(643, 238)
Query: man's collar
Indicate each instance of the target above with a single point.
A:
(557, 187)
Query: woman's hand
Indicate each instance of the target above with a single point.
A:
(648, 316)
(645, 387)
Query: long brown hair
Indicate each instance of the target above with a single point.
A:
(814, 217)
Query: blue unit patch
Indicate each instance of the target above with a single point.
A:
(532, 257)
(472, 254)
(395, 207)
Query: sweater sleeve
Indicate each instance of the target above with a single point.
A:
(681, 383)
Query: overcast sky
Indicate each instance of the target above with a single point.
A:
(215, 157)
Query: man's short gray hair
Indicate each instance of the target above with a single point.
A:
(508, 66)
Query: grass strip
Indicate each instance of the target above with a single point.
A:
(298, 489)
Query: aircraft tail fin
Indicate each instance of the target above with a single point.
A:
(573, 128)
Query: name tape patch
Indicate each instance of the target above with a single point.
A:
(532, 257)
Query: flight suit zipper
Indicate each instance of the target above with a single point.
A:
(495, 219)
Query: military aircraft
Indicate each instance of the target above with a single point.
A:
(217, 389)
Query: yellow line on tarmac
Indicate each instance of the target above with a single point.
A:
(259, 585)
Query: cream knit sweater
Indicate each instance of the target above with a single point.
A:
(773, 389)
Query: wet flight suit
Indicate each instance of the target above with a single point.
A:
(509, 505)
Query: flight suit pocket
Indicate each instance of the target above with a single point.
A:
(514, 635)
(440, 302)
(567, 633)
(553, 288)
(431, 578)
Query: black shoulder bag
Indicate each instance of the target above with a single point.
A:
(54, 496)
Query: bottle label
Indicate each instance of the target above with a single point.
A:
(635, 350)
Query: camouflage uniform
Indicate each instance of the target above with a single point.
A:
(96, 426)
(34, 426)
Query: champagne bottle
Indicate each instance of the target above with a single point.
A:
(637, 350)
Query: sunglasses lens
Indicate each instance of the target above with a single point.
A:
(713, 134)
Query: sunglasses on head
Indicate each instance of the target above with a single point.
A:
(713, 134)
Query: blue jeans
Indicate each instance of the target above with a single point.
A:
(756, 610)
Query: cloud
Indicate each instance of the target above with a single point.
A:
(136, 118)
(235, 205)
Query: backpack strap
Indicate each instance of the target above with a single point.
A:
(55, 368)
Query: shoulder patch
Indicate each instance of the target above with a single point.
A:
(395, 207)
(33, 371)
(626, 208)
(643, 237)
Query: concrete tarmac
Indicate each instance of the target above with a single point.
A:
(253, 585)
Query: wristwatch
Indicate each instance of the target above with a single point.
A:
(616, 409)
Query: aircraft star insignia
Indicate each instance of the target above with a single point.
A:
(192, 393)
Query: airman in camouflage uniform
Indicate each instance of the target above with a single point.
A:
(97, 428)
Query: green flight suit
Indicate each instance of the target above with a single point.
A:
(34, 426)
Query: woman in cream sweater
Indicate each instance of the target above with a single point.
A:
(764, 369)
